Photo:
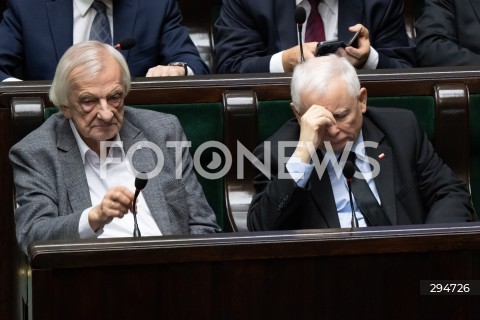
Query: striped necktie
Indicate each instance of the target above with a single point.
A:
(315, 30)
(100, 30)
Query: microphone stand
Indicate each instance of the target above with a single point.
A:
(300, 17)
(302, 59)
(139, 185)
(136, 230)
(348, 172)
(354, 216)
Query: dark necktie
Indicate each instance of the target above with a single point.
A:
(100, 30)
(366, 201)
(315, 30)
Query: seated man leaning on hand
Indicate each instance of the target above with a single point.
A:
(71, 184)
(406, 179)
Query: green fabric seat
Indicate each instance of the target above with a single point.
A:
(273, 114)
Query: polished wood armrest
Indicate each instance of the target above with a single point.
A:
(240, 132)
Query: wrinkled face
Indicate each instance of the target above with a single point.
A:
(347, 109)
(96, 105)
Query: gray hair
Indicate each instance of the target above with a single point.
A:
(89, 56)
(316, 75)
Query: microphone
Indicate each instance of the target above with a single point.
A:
(125, 44)
(139, 185)
(300, 17)
(348, 172)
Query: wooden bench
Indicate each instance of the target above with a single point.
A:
(224, 106)
(248, 108)
(277, 275)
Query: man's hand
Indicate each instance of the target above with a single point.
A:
(291, 57)
(115, 204)
(166, 71)
(357, 56)
(313, 125)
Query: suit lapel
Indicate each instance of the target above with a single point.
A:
(124, 17)
(284, 19)
(144, 160)
(72, 164)
(476, 7)
(350, 13)
(385, 179)
(61, 24)
(320, 187)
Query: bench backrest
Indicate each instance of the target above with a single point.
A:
(248, 108)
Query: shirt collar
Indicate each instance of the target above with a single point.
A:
(84, 5)
(331, 4)
(359, 147)
(116, 151)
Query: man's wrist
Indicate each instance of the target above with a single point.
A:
(180, 64)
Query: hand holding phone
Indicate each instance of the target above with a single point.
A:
(327, 47)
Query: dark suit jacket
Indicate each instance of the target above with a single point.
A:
(52, 191)
(249, 32)
(414, 185)
(36, 33)
(448, 33)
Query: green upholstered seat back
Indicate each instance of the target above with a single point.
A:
(201, 122)
(422, 106)
(273, 114)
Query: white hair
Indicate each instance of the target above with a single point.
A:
(317, 74)
(90, 57)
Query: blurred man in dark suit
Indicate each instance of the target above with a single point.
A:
(447, 33)
(35, 34)
(261, 36)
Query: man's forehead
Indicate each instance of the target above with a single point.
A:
(333, 101)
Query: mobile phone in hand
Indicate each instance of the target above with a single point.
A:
(327, 47)
(354, 40)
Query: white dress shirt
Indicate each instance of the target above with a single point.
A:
(83, 15)
(118, 173)
(329, 12)
(301, 173)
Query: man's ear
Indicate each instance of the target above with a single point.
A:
(295, 112)
(362, 99)
(67, 112)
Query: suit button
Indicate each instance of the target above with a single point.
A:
(282, 203)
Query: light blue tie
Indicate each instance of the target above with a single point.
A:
(100, 30)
